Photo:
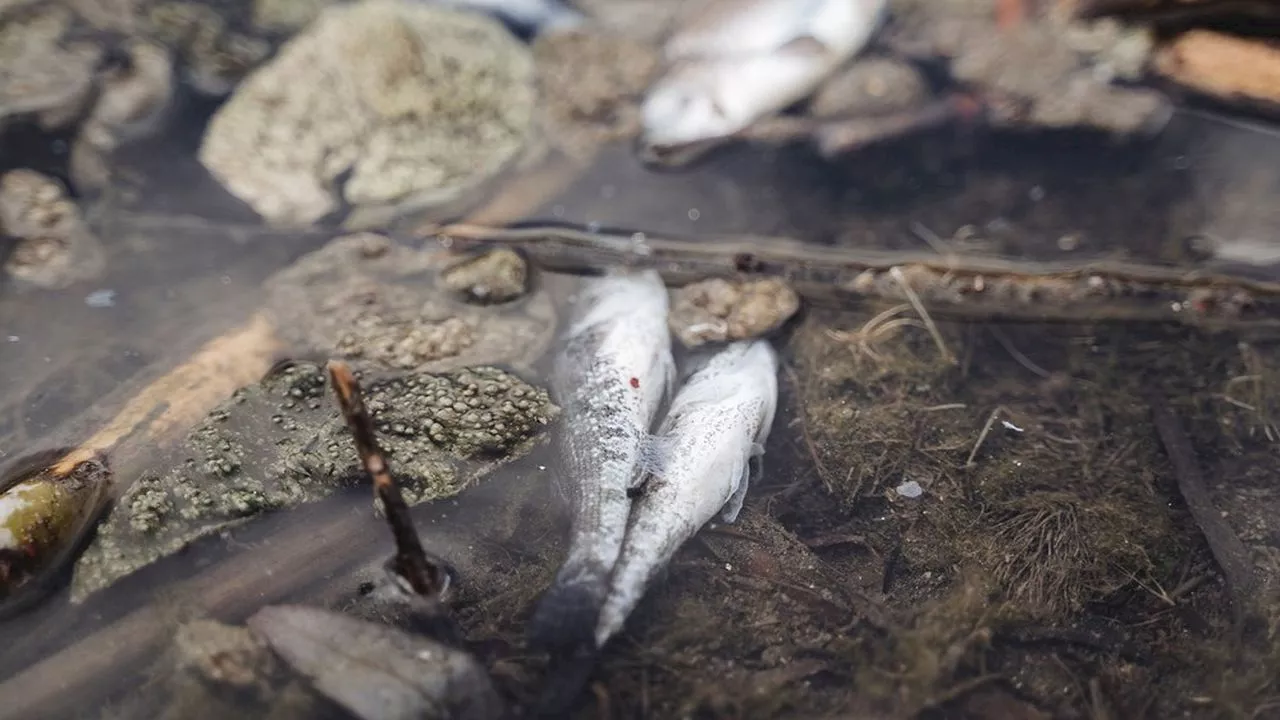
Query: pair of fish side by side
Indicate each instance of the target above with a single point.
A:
(612, 376)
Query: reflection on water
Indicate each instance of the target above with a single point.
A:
(998, 536)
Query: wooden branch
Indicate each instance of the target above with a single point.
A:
(965, 286)
(427, 576)
(1229, 552)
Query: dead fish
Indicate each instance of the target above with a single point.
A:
(533, 16)
(715, 430)
(737, 62)
(377, 672)
(45, 514)
(613, 373)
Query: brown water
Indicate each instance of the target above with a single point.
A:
(1046, 570)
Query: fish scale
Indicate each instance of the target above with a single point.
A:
(717, 423)
(610, 378)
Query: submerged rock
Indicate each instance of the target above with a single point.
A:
(42, 73)
(869, 86)
(283, 442)
(592, 84)
(55, 247)
(132, 98)
(287, 15)
(216, 48)
(494, 277)
(1046, 70)
(377, 304)
(214, 671)
(384, 106)
(378, 672)
(719, 310)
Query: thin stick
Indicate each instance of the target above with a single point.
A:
(1227, 549)
(1023, 360)
(896, 273)
(968, 286)
(982, 436)
(428, 578)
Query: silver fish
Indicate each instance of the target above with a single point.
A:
(532, 15)
(714, 433)
(613, 373)
(738, 62)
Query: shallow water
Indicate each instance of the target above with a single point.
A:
(187, 268)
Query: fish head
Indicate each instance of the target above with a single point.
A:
(684, 108)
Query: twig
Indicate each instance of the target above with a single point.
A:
(967, 286)
(1230, 553)
(982, 436)
(1022, 359)
(896, 273)
(804, 430)
(427, 576)
(1093, 640)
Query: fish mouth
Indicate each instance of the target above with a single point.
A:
(674, 156)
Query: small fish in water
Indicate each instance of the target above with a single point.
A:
(738, 61)
(716, 429)
(613, 373)
(45, 513)
(533, 16)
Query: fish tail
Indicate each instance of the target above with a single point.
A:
(564, 622)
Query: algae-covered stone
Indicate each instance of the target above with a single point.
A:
(216, 52)
(376, 304)
(592, 83)
(287, 15)
(718, 310)
(493, 277)
(870, 86)
(42, 72)
(133, 97)
(385, 105)
(283, 442)
(55, 247)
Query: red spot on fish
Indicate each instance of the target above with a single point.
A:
(635, 382)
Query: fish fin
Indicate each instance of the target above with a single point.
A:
(637, 485)
(804, 45)
(729, 513)
(669, 378)
(655, 457)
